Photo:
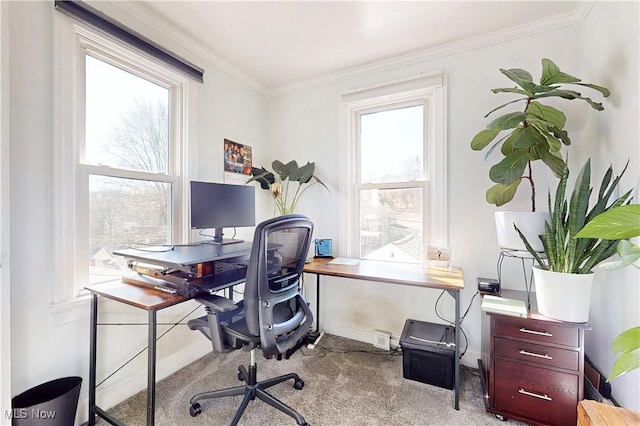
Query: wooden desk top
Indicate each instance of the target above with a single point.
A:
(393, 273)
(138, 296)
(592, 413)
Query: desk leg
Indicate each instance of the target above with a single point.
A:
(93, 358)
(318, 303)
(456, 296)
(151, 370)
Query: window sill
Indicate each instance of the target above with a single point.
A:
(72, 310)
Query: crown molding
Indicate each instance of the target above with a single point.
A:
(148, 22)
(583, 10)
(159, 27)
(570, 19)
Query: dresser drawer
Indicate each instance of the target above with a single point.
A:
(548, 396)
(541, 331)
(539, 354)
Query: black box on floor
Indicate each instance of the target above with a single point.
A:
(428, 353)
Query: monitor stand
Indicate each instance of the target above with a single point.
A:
(219, 240)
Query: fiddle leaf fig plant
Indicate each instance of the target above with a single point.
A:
(536, 133)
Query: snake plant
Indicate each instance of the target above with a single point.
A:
(537, 133)
(564, 252)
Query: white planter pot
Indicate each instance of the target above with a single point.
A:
(531, 224)
(565, 297)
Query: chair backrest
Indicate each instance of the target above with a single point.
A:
(274, 307)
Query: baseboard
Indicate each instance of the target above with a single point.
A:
(354, 332)
(116, 392)
(113, 394)
(366, 335)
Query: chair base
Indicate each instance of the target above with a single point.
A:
(252, 389)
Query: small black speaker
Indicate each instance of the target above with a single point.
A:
(428, 353)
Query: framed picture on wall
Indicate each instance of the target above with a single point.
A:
(237, 162)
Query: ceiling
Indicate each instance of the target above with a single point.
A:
(282, 43)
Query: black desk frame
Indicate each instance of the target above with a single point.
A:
(181, 258)
(152, 311)
(454, 291)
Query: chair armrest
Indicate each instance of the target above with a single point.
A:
(217, 303)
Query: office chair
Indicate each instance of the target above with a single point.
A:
(273, 315)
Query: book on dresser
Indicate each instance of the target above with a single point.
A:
(504, 305)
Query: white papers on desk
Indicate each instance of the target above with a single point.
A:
(504, 306)
(344, 261)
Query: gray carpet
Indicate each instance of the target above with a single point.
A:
(346, 383)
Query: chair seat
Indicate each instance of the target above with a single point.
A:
(239, 331)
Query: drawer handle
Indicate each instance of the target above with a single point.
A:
(539, 333)
(545, 356)
(535, 395)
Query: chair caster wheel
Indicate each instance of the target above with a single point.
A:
(240, 377)
(298, 384)
(501, 417)
(195, 409)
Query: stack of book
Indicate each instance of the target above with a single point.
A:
(504, 306)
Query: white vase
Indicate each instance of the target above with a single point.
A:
(531, 224)
(562, 296)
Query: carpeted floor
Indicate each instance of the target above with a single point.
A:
(346, 383)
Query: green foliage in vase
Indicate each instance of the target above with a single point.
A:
(564, 252)
(286, 183)
(620, 223)
(536, 133)
(627, 346)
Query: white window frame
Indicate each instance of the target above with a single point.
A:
(72, 40)
(429, 90)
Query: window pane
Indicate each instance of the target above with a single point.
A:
(122, 212)
(127, 124)
(391, 145)
(391, 224)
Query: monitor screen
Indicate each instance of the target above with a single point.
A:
(219, 205)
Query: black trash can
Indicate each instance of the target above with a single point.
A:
(51, 403)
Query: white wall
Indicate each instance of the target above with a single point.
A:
(43, 346)
(613, 138)
(5, 288)
(303, 125)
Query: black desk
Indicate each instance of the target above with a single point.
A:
(184, 258)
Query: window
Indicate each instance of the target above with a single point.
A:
(394, 177)
(121, 150)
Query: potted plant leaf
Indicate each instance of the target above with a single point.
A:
(536, 133)
(285, 194)
(620, 223)
(564, 278)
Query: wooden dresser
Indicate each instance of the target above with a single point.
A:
(532, 368)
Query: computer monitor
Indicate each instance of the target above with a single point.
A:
(218, 205)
